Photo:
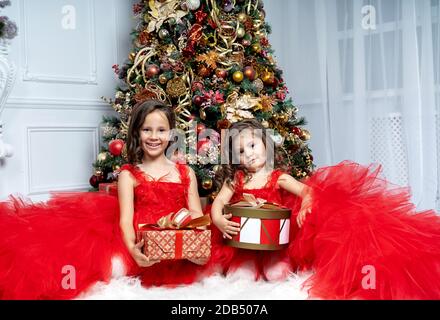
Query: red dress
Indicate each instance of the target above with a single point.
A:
(81, 230)
(364, 238)
(230, 258)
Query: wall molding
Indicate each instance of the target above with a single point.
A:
(60, 104)
(34, 77)
(117, 54)
(38, 190)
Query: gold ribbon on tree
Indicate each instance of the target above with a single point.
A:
(142, 58)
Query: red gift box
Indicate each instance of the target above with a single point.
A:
(110, 188)
(176, 237)
(177, 244)
(263, 226)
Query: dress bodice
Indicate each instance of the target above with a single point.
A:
(155, 198)
(270, 192)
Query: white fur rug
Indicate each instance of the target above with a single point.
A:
(238, 286)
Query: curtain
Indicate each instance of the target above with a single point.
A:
(366, 75)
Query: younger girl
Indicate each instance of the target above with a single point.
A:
(246, 142)
(362, 238)
(58, 249)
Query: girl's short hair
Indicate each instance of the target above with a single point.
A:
(228, 171)
(137, 118)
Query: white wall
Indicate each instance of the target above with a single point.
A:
(53, 114)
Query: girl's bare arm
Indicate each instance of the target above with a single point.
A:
(222, 222)
(194, 205)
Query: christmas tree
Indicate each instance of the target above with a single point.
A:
(210, 60)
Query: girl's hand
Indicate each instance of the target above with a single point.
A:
(199, 261)
(141, 259)
(301, 218)
(228, 228)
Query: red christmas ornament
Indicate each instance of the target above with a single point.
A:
(275, 83)
(115, 147)
(94, 181)
(197, 86)
(198, 100)
(152, 70)
(221, 73)
(250, 73)
(297, 131)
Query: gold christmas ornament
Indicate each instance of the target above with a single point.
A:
(131, 56)
(260, 33)
(216, 168)
(241, 33)
(176, 87)
(163, 79)
(265, 124)
(207, 183)
(258, 24)
(116, 167)
(102, 156)
(238, 76)
(267, 77)
(306, 136)
(242, 17)
(256, 47)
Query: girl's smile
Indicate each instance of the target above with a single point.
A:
(155, 134)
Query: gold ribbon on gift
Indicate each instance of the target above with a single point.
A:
(177, 221)
(246, 208)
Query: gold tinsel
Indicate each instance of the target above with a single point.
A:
(176, 87)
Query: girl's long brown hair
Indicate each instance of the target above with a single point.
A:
(140, 112)
(228, 171)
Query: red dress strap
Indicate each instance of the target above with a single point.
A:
(184, 174)
(239, 181)
(135, 172)
(275, 175)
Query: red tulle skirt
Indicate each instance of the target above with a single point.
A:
(365, 240)
(59, 249)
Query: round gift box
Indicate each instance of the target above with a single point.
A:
(265, 229)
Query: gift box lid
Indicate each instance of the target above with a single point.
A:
(251, 207)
